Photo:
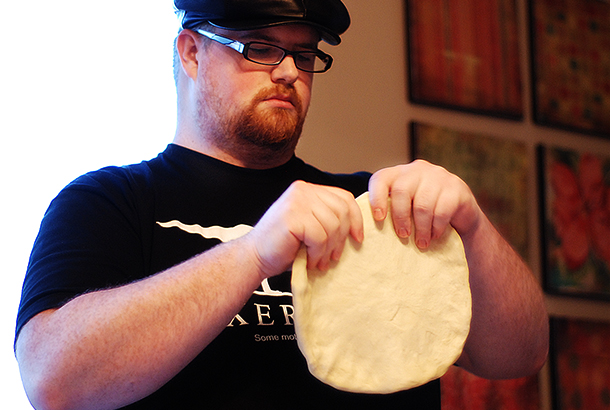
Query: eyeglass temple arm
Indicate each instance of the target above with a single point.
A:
(235, 45)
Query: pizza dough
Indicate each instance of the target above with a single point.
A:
(387, 316)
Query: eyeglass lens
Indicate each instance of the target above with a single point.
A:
(269, 54)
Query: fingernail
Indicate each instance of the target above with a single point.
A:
(422, 244)
(403, 233)
(378, 214)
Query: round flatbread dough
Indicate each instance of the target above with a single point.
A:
(387, 316)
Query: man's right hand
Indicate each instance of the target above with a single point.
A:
(318, 217)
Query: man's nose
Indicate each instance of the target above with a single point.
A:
(286, 71)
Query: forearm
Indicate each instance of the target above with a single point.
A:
(108, 348)
(509, 328)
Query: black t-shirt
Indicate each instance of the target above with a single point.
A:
(118, 225)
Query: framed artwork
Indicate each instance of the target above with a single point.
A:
(580, 364)
(571, 64)
(461, 390)
(495, 170)
(575, 203)
(464, 54)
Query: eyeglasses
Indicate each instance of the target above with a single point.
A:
(268, 54)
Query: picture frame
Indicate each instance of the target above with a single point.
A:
(580, 364)
(575, 218)
(465, 56)
(496, 170)
(570, 43)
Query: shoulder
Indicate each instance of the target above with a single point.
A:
(112, 190)
(133, 179)
(114, 176)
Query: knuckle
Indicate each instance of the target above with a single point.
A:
(333, 226)
(400, 215)
(298, 185)
(422, 212)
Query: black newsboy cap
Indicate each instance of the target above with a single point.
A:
(330, 17)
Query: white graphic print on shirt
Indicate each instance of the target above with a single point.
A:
(224, 235)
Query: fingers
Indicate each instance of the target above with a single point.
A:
(319, 217)
(401, 192)
(425, 199)
(336, 215)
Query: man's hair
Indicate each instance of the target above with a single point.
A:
(205, 41)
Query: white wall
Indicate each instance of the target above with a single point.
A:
(82, 85)
(359, 114)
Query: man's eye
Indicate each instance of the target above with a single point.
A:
(262, 50)
(307, 57)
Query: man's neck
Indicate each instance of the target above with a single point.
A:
(250, 156)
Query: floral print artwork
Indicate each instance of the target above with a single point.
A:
(577, 223)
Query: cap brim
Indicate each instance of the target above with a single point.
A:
(326, 35)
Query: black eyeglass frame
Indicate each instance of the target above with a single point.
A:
(243, 48)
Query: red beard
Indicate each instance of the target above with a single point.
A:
(275, 128)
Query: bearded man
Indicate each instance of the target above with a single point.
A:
(165, 284)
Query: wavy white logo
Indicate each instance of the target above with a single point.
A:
(224, 235)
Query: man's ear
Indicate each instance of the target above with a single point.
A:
(188, 45)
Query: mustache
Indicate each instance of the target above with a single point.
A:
(279, 90)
